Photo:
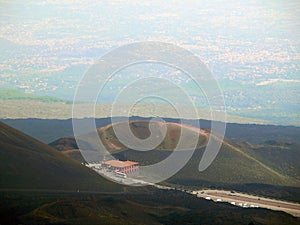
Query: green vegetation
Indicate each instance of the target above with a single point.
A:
(39, 185)
(285, 157)
(140, 128)
(233, 165)
(250, 167)
(230, 167)
(10, 94)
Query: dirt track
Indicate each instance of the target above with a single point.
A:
(255, 201)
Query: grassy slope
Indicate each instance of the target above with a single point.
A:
(10, 94)
(141, 130)
(283, 156)
(232, 165)
(29, 164)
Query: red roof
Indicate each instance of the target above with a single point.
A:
(120, 164)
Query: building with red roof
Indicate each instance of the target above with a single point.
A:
(122, 166)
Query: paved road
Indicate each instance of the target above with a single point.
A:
(240, 198)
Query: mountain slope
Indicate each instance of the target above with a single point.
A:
(285, 156)
(29, 164)
(68, 147)
(64, 144)
(140, 129)
(151, 206)
(232, 164)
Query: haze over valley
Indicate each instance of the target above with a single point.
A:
(150, 112)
